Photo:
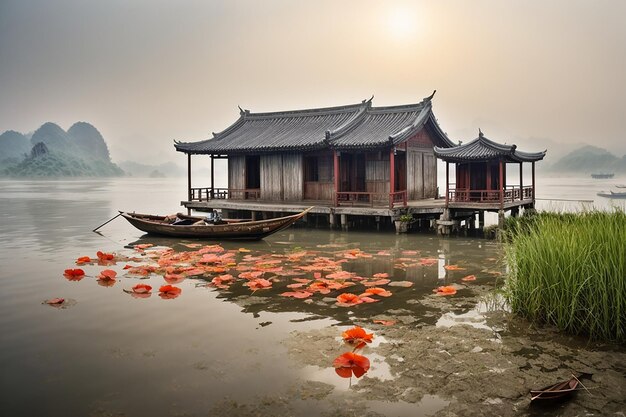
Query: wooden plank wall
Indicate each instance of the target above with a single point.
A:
(430, 175)
(293, 176)
(237, 172)
(377, 173)
(272, 177)
(415, 174)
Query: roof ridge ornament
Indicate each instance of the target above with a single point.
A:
(430, 97)
(369, 102)
(480, 133)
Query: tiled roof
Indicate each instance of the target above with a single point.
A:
(483, 149)
(346, 127)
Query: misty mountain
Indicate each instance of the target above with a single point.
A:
(13, 147)
(51, 151)
(168, 169)
(88, 141)
(590, 159)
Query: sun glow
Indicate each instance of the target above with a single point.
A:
(402, 23)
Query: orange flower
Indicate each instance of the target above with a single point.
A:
(469, 278)
(297, 294)
(357, 337)
(377, 291)
(385, 322)
(105, 256)
(346, 299)
(55, 301)
(453, 268)
(258, 284)
(350, 363)
(74, 274)
(83, 260)
(445, 290)
(142, 289)
(107, 274)
(169, 291)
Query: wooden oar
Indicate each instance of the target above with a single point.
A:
(111, 219)
(581, 384)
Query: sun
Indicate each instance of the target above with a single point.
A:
(402, 23)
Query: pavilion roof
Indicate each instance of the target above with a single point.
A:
(355, 126)
(483, 149)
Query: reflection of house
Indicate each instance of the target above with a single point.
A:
(481, 176)
(354, 155)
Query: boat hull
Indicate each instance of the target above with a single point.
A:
(247, 230)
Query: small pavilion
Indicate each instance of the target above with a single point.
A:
(481, 177)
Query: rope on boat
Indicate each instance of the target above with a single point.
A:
(110, 220)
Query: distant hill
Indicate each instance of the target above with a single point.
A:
(13, 147)
(590, 159)
(168, 169)
(51, 151)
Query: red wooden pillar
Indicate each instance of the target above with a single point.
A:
(448, 182)
(212, 177)
(501, 185)
(188, 177)
(336, 172)
(488, 173)
(521, 182)
(392, 176)
(533, 181)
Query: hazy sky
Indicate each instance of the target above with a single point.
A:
(147, 72)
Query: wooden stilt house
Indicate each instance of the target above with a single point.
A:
(356, 155)
(481, 175)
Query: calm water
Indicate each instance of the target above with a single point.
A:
(110, 354)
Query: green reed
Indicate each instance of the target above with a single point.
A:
(569, 270)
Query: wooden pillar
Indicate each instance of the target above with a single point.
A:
(212, 177)
(533, 183)
(481, 219)
(392, 176)
(521, 182)
(188, 177)
(488, 173)
(336, 172)
(501, 186)
(448, 182)
(344, 221)
(332, 221)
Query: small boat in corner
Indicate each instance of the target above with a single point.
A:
(560, 390)
(611, 194)
(602, 175)
(202, 227)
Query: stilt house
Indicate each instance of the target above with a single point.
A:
(356, 155)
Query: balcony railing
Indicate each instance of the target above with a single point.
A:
(343, 198)
(509, 195)
(207, 193)
(363, 198)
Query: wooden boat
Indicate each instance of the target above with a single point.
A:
(602, 176)
(612, 194)
(225, 229)
(558, 391)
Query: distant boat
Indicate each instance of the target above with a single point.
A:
(601, 176)
(612, 194)
(198, 227)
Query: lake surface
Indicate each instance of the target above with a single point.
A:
(233, 351)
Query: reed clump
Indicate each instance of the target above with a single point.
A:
(569, 270)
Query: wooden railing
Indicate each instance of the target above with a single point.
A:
(343, 198)
(509, 195)
(364, 198)
(208, 193)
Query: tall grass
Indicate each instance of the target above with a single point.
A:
(569, 270)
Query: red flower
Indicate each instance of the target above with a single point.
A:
(357, 337)
(74, 274)
(105, 256)
(445, 290)
(346, 299)
(169, 291)
(350, 363)
(83, 260)
(142, 289)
